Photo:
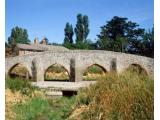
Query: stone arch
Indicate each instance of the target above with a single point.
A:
(50, 68)
(103, 68)
(94, 75)
(138, 68)
(26, 72)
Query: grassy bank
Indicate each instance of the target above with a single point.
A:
(127, 96)
(25, 102)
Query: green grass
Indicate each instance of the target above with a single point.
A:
(39, 108)
(19, 84)
(127, 96)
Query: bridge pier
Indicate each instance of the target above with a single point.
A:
(78, 75)
(72, 70)
(75, 71)
(78, 70)
(37, 70)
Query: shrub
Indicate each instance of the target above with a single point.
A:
(19, 84)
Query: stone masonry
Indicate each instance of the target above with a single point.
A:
(77, 61)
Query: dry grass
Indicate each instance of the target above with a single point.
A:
(12, 98)
(16, 97)
(56, 76)
(127, 96)
(19, 70)
(93, 76)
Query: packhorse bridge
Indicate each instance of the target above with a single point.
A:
(76, 62)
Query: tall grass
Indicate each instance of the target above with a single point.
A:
(127, 96)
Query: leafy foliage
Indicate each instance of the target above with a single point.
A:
(68, 40)
(18, 35)
(81, 29)
(118, 33)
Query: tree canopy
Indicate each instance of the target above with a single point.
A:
(68, 32)
(118, 33)
(82, 28)
(18, 35)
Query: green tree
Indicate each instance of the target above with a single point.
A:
(148, 43)
(82, 28)
(86, 26)
(18, 35)
(6, 45)
(87, 44)
(117, 34)
(68, 32)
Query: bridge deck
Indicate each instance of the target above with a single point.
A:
(63, 86)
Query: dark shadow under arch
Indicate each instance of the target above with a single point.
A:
(19, 70)
(56, 72)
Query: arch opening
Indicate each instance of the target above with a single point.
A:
(56, 72)
(19, 70)
(136, 68)
(94, 72)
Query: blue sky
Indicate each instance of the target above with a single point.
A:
(47, 18)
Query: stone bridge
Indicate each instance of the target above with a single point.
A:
(77, 61)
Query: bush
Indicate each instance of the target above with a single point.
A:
(127, 96)
(19, 84)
